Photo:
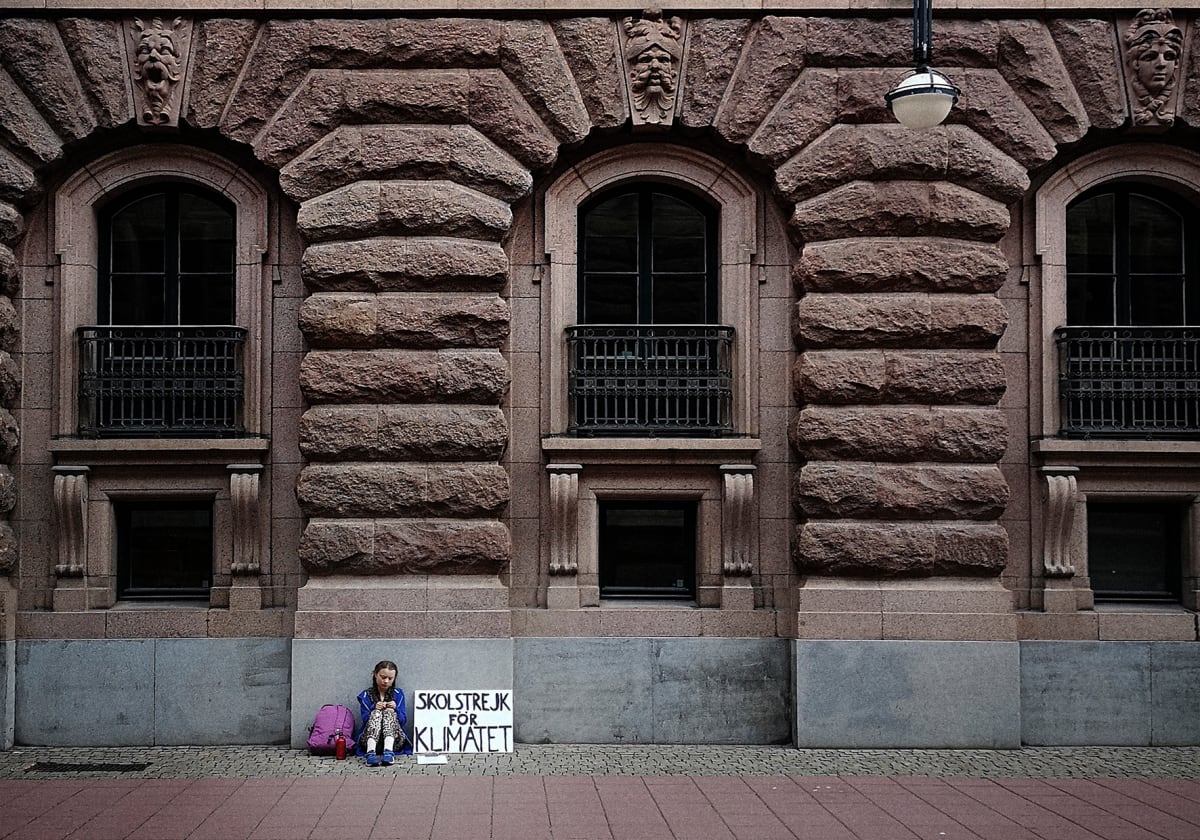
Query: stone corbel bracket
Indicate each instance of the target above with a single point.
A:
(652, 47)
(1061, 497)
(737, 511)
(70, 506)
(159, 51)
(243, 498)
(564, 518)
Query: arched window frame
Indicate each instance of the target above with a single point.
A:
(76, 241)
(738, 233)
(1156, 164)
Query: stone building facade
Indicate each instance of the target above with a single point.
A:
(636, 360)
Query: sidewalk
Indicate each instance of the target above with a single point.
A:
(639, 793)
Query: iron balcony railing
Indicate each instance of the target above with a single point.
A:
(659, 380)
(161, 381)
(1131, 382)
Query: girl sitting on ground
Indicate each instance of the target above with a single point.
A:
(383, 717)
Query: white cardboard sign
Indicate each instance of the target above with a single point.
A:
(457, 721)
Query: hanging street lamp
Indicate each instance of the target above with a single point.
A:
(924, 97)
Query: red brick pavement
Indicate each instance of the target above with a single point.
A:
(602, 807)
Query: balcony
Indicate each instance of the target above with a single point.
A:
(662, 380)
(1129, 382)
(161, 381)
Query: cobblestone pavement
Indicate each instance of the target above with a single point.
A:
(605, 793)
(607, 760)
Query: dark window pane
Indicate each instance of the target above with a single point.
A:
(678, 235)
(1156, 301)
(1090, 300)
(136, 299)
(207, 299)
(613, 253)
(1134, 550)
(647, 549)
(1090, 240)
(1155, 237)
(137, 236)
(205, 235)
(680, 299)
(164, 548)
(610, 299)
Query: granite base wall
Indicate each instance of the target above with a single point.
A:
(8, 661)
(135, 692)
(907, 694)
(1110, 693)
(654, 690)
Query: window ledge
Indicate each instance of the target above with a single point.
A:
(1139, 607)
(88, 452)
(636, 450)
(1112, 453)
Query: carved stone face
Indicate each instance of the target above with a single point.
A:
(157, 58)
(653, 71)
(1155, 63)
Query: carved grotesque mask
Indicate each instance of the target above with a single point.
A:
(156, 67)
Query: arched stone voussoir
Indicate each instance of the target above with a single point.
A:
(456, 153)
(590, 49)
(892, 152)
(771, 61)
(915, 321)
(99, 50)
(1032, 66)
(904, 208)
(327, 99)
(398, 264)
(405, 546)
(22, 127)
(1088, 50)
(403, 433)
(531, 57)
(406, 489)
(32, 51)
(991, 107)
(501, 113)
(900, 263)
(343, 321)
(404, 208)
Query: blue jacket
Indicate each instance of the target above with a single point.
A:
(366, 706)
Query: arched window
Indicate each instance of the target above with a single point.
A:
(647, 256)
(1128, 260)
(167, 257)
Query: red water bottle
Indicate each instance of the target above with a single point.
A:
(339, 746)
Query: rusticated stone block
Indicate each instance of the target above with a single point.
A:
(404, 320)
(903, 208)
(10, 324)
(590, 48)
(32, 51)
(403, 208)
(403, 433)
(895, 550)
(857, 490)
(10, 436)
(22, 125)
(280, 61)
(713, 46)
(899, 320)
(770, 63)
(858, 41)
(500, 113)
(990, 106)
(219, 50)
(393, 376)
(10, 380)
(96, 47)
(402, 490)
(848, 153)
(456, 153)
(1034, 69)
(328, 98)
(922, 377)
(18, 184)
(404, 264)
(531, 58)
(8, 549)
(12, 224)
(805, 112)
(10, 275)
(1089, 52)
(405, 42)
(416, 546)
(890, 264)
(971, 435)
(8, 490)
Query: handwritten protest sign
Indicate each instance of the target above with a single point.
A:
(462, 721)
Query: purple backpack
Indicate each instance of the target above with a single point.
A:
(331, 720)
